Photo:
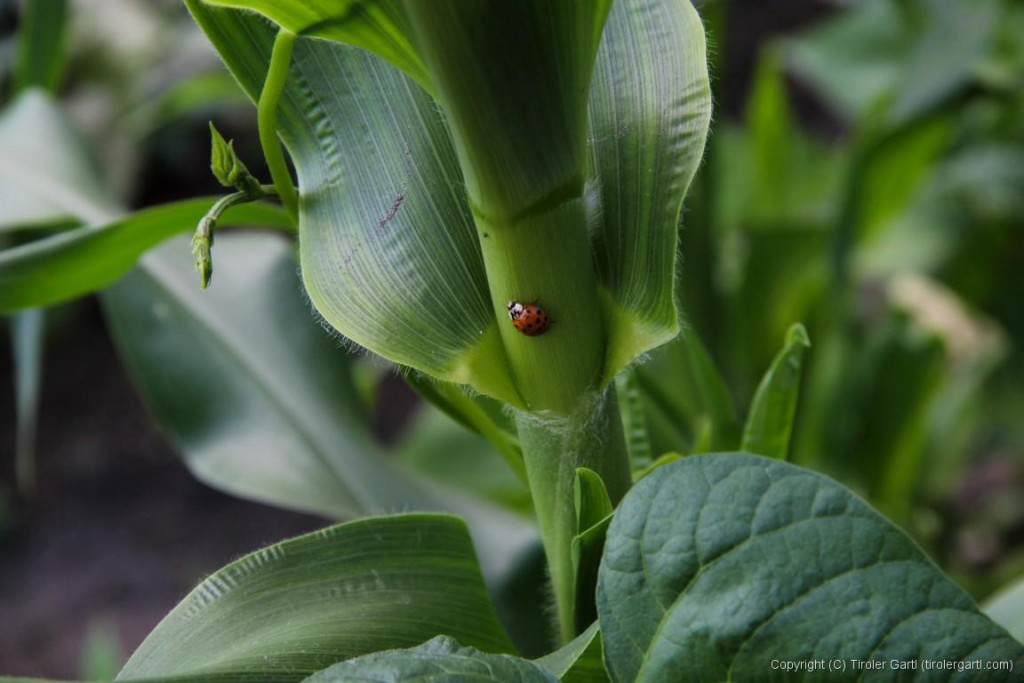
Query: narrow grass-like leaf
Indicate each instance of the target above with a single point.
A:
(587, 547)
(580, 660)
(46, 174)
(683, 386)
(41, 53)
(440, 660)
(593, 514)
(27, 338)
(634, 419)
(290, 609)
(770, 422)
(650, 105)
(717, 566)
(448, 452)
(481, 414)
(84, 260)
(591, 499)
(388, 249)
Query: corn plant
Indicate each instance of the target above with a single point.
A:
(457, 162)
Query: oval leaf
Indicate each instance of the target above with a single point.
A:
(716, 566)
(290, 609)
(441, 660)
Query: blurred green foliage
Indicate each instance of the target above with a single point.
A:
(899, 243)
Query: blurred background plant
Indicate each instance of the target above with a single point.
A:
(865, 177)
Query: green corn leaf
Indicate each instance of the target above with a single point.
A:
(650, 106)
(513, 80)
(770, 422)
(84, 260)
(718, 565)
(290, 609)
(380, 26)
(579, 661)
(46, 174)
(388, 249)
(440, 660)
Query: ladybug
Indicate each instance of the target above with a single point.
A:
(529, 319)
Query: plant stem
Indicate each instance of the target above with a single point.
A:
(544, 257)
(552, 449)
(277, 74)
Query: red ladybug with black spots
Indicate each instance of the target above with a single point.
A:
(529, 319)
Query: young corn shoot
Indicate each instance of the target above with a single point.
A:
(486, 152)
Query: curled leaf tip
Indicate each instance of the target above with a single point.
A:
(202, 244)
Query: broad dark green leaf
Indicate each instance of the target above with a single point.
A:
(650, 105)
(46, 174)
(84, 260)
(770, 422)
(293, 608)
(717, 565)
(579, 661)
(441, 660)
